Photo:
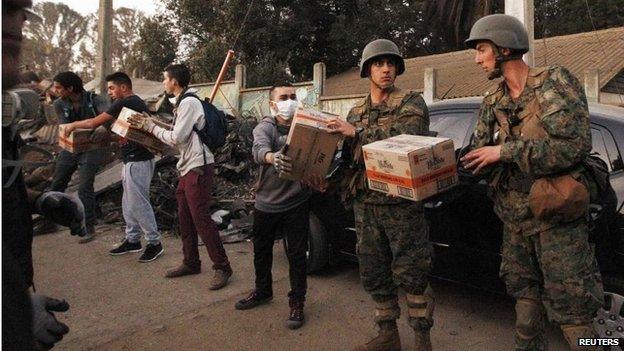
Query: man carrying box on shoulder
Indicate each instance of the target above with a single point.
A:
(76, 104)
(393, 238)
(196, 167)
(137, 172)
(280, 205)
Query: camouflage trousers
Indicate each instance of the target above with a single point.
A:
(394, 252)
(555, 267)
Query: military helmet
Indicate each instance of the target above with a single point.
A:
(380, 47)
(503, 30)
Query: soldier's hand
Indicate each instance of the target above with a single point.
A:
(481, 157)
(47, 330)
(337, 125)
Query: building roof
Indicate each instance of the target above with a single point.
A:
(459, 76)
(144, 88)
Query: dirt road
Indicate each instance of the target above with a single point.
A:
(118, 303)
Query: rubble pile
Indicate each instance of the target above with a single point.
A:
(234, 181)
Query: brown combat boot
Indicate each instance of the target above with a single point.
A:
(423, 340)
(573, 332)
(386, 340)
(420, 310)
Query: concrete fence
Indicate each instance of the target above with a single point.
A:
(237, 99)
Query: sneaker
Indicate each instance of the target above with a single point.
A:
(296, 318)
(90, 235)
(125, 247)
(220, 278)
(152, 251)
(252, 300)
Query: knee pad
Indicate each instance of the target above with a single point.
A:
(420, 307)
(387, 311)
(529, 318)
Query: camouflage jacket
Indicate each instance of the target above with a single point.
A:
(563, 116)
(404, 112)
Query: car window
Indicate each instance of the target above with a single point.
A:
(599, 147)
(613, 154)
(454, 125)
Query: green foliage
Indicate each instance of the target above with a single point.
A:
(156, 47)
(49, 44)
(558, 17)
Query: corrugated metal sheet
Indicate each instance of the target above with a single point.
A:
(459, 76)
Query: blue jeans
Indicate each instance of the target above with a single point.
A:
(87, 164)
(137, 209)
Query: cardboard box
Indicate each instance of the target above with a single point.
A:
(410, 166)
(310, 145)
(122, 128)
(79, 140)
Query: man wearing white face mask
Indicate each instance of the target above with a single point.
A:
(280, 205)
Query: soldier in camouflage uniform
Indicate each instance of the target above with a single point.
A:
(535, 128)
(393, 239)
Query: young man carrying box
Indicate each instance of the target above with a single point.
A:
(75, 104)
(196, 167)
(281, 204)
(137, 173)
(393, 239)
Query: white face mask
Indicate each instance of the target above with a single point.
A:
(285, 109)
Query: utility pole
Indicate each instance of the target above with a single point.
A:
(105, 25)
(524, 10)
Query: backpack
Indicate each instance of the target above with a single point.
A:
(215, 128)
(600, 190)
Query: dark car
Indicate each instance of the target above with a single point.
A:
(465, 232)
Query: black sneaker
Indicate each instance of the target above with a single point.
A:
(296, 317)
(252, 300)
(152, 251)
(125, 247)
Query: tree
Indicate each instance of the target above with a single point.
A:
(126, 25)
(49, 45)
(125, 35)
(156, 46)
(558, 17)
(293, 33)
(285, 38)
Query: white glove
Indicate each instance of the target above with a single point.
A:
(141, 121)
(282, 163)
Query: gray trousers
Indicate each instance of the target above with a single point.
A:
(135, 203)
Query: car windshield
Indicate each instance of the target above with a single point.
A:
(456, 125)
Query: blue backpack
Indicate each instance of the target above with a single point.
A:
(214, 132)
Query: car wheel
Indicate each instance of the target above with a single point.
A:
(318, 248)
(609, 321)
